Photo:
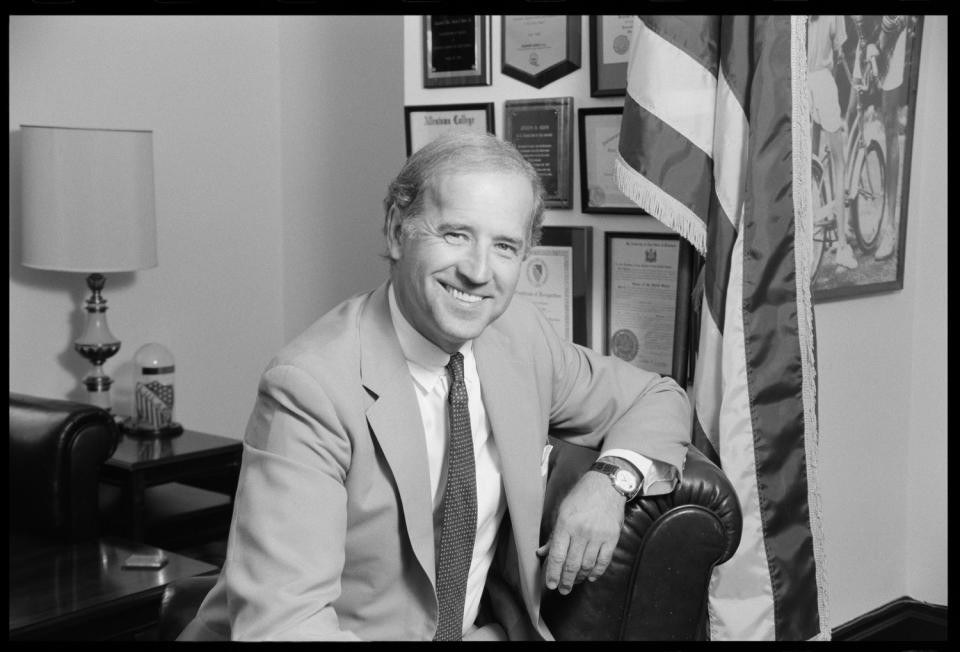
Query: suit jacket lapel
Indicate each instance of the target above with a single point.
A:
(395, 422)
(516, 423)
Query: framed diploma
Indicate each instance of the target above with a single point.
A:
(599, 145)
(540, 49)
(648, 283)
(542, 130)
(556, 277)
(456, 51)
(424, 123)
(609, 54)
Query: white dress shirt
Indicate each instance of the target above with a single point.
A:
(427, 363)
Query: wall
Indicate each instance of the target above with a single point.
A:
(263, 186)
(340, 149)
(882, 373)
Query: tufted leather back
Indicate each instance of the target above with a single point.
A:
(56, 450)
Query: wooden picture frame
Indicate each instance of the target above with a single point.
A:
(557, 276)
(877, 121)
(648, 278)
(537, 50)
(425, 122)
(456, 51)
(542, 130)
(610, 38)
(599, 130)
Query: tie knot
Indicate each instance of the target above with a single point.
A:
(455, 366)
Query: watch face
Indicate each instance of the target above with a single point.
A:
(625, 481)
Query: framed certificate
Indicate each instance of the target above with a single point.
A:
(540, 49)
(426, 122)
(456, 51)
(542, 130)
(599, 144)
(610, 38)
(556, 277)
(648, 283)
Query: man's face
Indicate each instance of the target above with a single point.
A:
(456, 272)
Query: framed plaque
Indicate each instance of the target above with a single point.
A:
(542, 130)
(456, 51)
(426, 122)
(610, 38)
(556, 277)
(540, 49)
(648, 282)
(599, 141)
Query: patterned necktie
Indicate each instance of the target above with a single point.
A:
(459, 526)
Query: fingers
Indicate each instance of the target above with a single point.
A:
(604, 557)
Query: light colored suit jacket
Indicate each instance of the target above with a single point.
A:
(332, 532)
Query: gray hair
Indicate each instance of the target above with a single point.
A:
(457, 152)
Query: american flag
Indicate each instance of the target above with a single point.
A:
(714, 144)
(154, 402)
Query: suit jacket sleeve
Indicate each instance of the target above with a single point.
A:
(603, 401)
(290, 504)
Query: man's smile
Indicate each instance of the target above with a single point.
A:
(460, 295)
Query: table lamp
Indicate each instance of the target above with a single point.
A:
(88, 206)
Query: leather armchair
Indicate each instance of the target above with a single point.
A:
(656, 585)
(56, 450)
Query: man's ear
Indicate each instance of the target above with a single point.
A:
(394, 233)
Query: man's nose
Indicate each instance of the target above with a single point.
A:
(475, 265)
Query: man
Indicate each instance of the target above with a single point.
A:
(347, 503)
(825, 38)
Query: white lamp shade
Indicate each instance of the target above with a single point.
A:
(88, 200)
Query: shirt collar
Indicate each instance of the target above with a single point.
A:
(426, 360)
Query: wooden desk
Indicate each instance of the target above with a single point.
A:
(61, 591)
(199, 469)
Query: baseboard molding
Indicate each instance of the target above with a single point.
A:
(904, 619)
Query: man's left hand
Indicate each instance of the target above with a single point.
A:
(585, 534)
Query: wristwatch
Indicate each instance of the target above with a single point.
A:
(627, 483)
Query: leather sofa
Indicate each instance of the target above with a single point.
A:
(656, 585)
(56, 450)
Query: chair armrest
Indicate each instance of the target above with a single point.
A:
(56, 451)
(656, 585)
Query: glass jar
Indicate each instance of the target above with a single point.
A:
(153, 394)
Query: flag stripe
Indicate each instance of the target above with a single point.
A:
(684, 175)
(775, 374)
(674, 87)
(694, 35)
(754, 389)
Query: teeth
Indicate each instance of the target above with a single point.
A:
(463, 296)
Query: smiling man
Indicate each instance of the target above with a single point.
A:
(395, 461)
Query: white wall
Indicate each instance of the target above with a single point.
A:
(342, 89)
(882, 368)
(272, 142)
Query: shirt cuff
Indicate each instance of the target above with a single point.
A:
(658, 477)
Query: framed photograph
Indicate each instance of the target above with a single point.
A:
(456, 51)
(542, 131)
(426, 122)
(609, 54)
(599, 141)
(557, 278)
(540, 49)
(861, 149)
(648, 282)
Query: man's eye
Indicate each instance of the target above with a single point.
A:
(454, 236)
(506, 247)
